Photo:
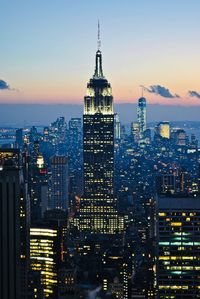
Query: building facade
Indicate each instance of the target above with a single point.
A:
(178, 247)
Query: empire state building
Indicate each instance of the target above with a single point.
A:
(98, 207)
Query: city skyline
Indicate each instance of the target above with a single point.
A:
(99, 150)
(55, 45)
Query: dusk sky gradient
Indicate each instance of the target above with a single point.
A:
(48, 49)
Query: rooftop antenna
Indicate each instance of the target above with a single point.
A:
(98, 38)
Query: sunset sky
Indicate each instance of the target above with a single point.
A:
(48, 47)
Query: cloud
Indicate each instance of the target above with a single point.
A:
(161, 91)
(4, 85)
(193, 93)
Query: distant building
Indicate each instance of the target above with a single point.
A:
(135, 131)
(123, 133)
(178, 247)
(194, 141)
(33, 135)
(58, 131)
(142, 116)
(74, 144)
(179, 137)
(117, 127)
(147, 136)
(75, 123)
(19, 138)
(46, 133)
(59, 186)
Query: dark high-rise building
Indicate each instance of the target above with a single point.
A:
(178, 247)
(59, 188)
(24, 225)
(165, 183)
(38, 187)
(98, 213)
(141, 115)
(19, 138)
(14, 231)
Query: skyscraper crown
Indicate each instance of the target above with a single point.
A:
(99, 93)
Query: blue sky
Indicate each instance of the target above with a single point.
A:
(48, 47)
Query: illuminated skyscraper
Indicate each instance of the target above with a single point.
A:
(45, 256)
(98, 213)
(142, 115)
(178, 247)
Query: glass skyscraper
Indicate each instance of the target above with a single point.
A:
(142, 116)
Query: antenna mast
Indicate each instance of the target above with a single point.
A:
(98, 38)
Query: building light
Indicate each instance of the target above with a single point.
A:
(176, 223)
(162, 214)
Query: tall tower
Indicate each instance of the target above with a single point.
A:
(98, 212)
(142, 115)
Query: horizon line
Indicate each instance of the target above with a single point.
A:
(81, 104)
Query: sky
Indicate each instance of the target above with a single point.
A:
(48, 47)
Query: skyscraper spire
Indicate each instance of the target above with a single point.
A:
(98, 74)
